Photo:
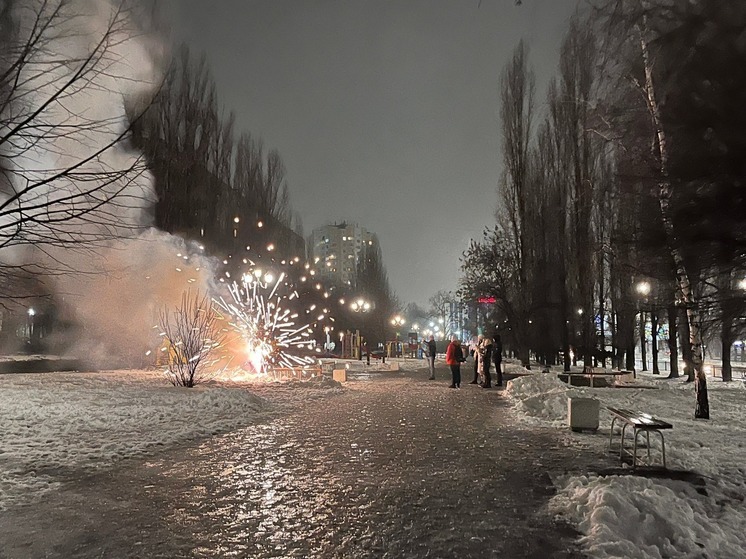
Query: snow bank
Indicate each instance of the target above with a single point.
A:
(633, 516)
(637, 517)
(540, 396)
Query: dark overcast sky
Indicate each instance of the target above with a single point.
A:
(385, 112)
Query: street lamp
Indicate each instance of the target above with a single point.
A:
(643, 289)
(31, 313)
(360, 305)
(397, 322)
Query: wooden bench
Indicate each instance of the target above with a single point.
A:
(640, 423)
(592, 372)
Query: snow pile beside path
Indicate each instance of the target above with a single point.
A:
(62, 422)
(541, 396)
(650, 519)
(316, 383)
(631, 516)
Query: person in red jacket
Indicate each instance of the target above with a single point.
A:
(454, 358)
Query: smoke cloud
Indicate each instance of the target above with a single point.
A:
(89, 62)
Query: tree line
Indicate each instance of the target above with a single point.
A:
(624, 196)
(206, 174)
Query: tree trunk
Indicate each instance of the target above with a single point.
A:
(643, 345)
(686, 348)
(654, 338)
(673, 341)
(726, 338)
(702, 408)
(601, 309)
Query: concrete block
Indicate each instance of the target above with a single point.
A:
(340, 375)
(582, 413)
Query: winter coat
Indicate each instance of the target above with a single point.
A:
(432, 350)
(454, 355)
(485, 355)
(497, 351)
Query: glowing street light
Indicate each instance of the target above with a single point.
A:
(643, 288)
(360, 305)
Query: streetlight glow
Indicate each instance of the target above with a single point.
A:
(643, 288)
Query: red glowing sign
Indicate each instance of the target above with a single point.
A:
(489, 300)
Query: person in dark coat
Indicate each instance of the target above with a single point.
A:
(497, 358)
(432, 351)
(485, 359)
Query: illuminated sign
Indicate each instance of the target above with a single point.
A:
(490, 300)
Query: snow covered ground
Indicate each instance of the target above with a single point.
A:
(53, 423)
(633, 516)
(61, 423)
(77, 422)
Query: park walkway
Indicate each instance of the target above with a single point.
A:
(395, 466)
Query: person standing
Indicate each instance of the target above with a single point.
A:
(432, 351)
(486, 360)
(497, 358)
(454, 358)
(476, 347)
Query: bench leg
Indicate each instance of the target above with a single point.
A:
(634, 451)
(621, 443)
(611, 433)
(647, 436)
(663, 448)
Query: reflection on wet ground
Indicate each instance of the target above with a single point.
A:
(391, 467)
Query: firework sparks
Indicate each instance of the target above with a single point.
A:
(266, 326)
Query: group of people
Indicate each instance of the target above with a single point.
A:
(485, 351)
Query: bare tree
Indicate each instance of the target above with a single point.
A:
(440, 309)
(516, 111)
(68, 179)
(639, 26)
(191, 334)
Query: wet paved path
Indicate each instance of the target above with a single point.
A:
(392, 467)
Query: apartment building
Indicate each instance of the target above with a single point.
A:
(337, 249)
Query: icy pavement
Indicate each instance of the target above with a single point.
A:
(396, 466)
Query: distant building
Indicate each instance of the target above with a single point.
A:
(336, 251)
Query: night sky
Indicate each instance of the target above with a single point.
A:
(385, 112)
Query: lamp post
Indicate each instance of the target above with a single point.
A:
(360, 305)
(643, 289)
(397, 322)
(31, 313)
